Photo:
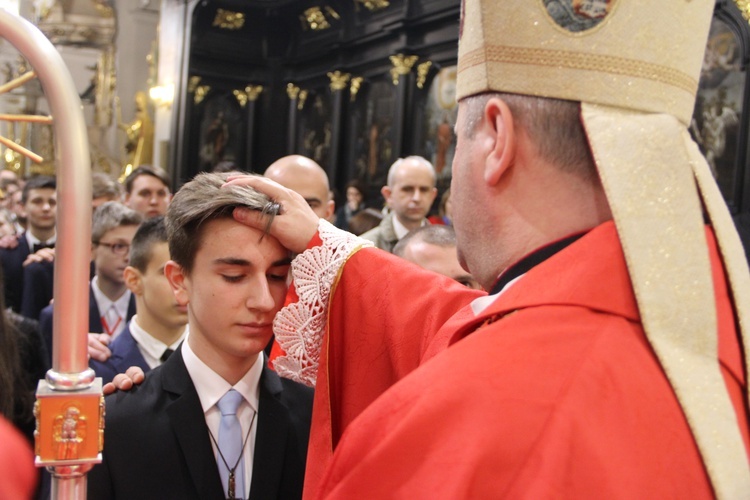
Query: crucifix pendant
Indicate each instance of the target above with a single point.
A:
(230, 488)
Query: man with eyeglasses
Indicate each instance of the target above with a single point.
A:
(111, 304)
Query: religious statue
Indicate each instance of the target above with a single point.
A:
(69, 431)
(215, 141)
(140, 136)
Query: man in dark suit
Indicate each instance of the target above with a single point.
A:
(40, 205)
(95, 319)
(172, 437)
(159, 325)
(111, 304)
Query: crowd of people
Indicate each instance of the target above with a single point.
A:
(572, 325)
(134, 318)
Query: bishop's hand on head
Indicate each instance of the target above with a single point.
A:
(296, 223)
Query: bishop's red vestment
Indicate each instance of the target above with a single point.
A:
(548, 390)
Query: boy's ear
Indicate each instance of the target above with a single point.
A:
(177, 279)
(133, 280)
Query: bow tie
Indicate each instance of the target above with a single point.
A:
(39, 246)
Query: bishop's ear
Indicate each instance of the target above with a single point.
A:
(500, 127)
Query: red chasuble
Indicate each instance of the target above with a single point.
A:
(552, 391)
(18, 476)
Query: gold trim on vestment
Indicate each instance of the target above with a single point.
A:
(577, 60)
(655, 205)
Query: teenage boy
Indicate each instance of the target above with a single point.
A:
(147, 191)
(177, 435)
(40, 205)
(158, 327)
(111, 305)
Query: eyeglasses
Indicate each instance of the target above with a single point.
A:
(115, 248)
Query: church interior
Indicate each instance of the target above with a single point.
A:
(353, 84)
(192, 86)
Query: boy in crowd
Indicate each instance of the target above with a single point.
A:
(147, 191)
(158, 327)
(111, 305)
(39, 202)
(213, 420)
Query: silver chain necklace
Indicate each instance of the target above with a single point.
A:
(231, 481)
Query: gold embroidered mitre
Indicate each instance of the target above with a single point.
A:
(639, 55)
(634, 67)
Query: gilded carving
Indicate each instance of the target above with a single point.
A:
(102, 413)
(241, 97)
(68, 432)
(229, 20)
(744, 6)
(292, 91)
(339, 80)
(422, 71)
(104, 9)
(373, 5)
(139, 146)
(402, 65)
(314, 18)
(253, 91)
(355, 85)
(302, 98)
(193, 83)
(200, 93)
(37, 427)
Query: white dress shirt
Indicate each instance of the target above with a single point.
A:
(151, 348)
(104, 304)
(211, 387)
(33, 240)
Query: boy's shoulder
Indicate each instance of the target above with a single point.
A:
(147, 397)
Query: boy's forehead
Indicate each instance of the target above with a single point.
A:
(34, 192)
(122, 231)
(147, 179)
(228, 236)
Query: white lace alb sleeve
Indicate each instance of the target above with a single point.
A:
(299, 327)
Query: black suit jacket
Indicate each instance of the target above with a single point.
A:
(95, 320)
(156, 442)
(125, 353)
(12, 260)
(38, 279)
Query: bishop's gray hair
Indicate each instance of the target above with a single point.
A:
(554, 125)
